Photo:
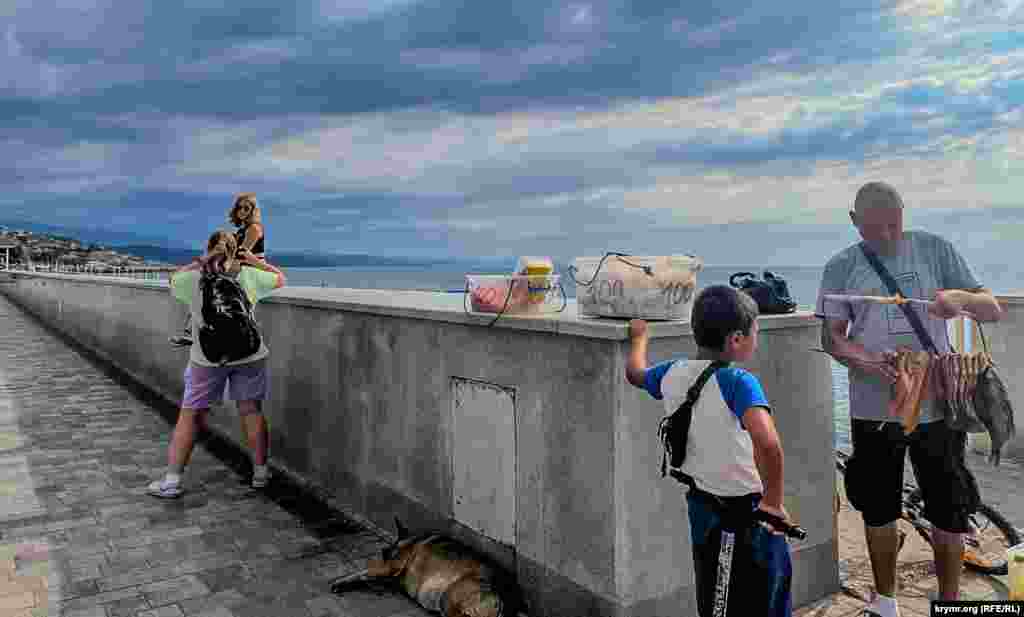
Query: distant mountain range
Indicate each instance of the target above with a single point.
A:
(287, 260)
(152, 249)
(83, 234)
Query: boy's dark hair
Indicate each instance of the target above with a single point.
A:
(718, 311)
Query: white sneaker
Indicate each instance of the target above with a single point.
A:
(260, 477)
(164, 489)
(880, 607)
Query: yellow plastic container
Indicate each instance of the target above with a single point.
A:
(535, 265)
(539, 270)
(1015, 564)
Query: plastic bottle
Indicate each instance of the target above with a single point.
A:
(1015, 564)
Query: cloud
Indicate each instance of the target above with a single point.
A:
(471, 125)
(26, 75)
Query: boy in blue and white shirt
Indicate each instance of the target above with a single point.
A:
(734, 457)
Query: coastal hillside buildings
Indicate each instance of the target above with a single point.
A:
(26, 249)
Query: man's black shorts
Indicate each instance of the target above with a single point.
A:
(875, 473)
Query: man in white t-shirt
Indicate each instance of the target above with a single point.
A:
(862, 336)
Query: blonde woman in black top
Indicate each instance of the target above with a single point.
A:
(245, 215)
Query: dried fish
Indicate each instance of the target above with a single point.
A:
(993, 404)
(912, 412)
(940, 387)
(961, 374)
(968, 377)
(902, 387)
(972, 382)
(965, 386)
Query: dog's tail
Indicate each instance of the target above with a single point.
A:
(360, 581)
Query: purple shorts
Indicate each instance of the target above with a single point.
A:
(204, 385)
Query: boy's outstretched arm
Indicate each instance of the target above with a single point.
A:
(768, 457)
(637, 362)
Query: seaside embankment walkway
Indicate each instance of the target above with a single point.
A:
(79, 537)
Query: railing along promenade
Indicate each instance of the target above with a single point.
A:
(155, 273)
(523, 439)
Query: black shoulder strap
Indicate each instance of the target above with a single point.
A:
(685, 411)
(694, 392)
(894, 288)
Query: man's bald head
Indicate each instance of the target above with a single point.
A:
(876, 195)
(878, 215)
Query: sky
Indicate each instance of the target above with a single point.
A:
(736, 132)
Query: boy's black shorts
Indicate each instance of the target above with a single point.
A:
(874, 474)
(738, 563)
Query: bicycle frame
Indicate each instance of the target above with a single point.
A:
(913, 514)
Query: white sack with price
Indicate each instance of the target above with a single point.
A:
(623, 289)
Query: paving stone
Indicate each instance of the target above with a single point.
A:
(262, 551)
(156, 538)
(85, 572)
(78, 588)
(219, 611)
(163, 611)
(85, 561)
(219, 579)
(127, 607)
(326, 606)
(136, 577)
(225, 599)
(102, 598)
(293, 606)
(120, 563)
(93, 611)
(372, 604)
(174, 590)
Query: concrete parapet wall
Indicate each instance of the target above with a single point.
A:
(522, 439)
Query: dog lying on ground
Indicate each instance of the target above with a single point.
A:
(440, 574)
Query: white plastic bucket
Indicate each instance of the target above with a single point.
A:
(622, 288)
(514, 294)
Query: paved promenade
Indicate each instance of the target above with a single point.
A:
(79, 537)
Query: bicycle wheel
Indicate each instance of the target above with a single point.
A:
(841, 459)
(986, 543)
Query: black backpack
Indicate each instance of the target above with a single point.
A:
(229, 331)
(771, 294)
(675, 429)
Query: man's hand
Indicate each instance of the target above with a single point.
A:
(948, 303)
(879, 364)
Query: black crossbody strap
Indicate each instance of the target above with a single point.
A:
(694, 392)
(894, 288)
(691, 399)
